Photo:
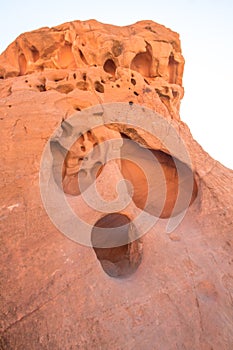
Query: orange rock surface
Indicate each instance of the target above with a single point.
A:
(162, 291)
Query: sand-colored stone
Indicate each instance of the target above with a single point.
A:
(55, 293)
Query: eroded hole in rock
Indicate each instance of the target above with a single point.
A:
(35, 53)
(110, 67)
(58, 79)
(65, 56)
(117, 260)
(117, 48)
(133, 81)
(160, 182)
(162, 185)
(65, 88)
(83, 58)
(172, 69)
(82, 85)
(99, 87)
(22, 64)
(175, 93)
(142, 62)
(83, 158)
(41, 87)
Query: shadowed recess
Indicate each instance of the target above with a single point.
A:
(110, 67)
(116, 261)
(142, 62)
(158, 180)
(162, 185)
(22, 64)
(172, 69)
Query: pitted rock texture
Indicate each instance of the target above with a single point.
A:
(163, 291)
(86, 159)
(142, 61)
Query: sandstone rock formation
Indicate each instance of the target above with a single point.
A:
(160, 291)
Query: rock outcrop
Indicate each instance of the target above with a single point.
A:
(155, 291)
(140, 62)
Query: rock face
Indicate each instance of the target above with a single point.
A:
(156, 291)
(88, 59)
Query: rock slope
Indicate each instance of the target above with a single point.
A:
(177, 290)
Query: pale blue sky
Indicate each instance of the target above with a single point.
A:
(206, 31)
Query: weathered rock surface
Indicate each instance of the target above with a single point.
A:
(56, 294)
